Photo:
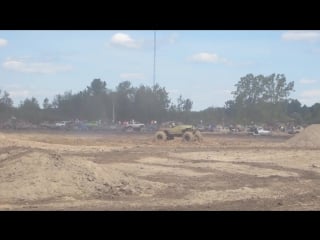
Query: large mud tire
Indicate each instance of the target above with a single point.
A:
(160, 136)
(198, 136)
(187, 137)
(128, 129)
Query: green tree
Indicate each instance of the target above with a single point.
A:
(6, 106)
(46, 103)
(183, 104)
(29, 110)
(315, 113)
(97, 87)
(5, 100)
(254, 89)
(187, 106)
(293, 105)
(124, 101)
(146, 103)
(260, 98)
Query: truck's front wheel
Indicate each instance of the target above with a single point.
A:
(187, 137)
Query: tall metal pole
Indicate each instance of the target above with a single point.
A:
(113, 116)
(154, 59)
(113, 113)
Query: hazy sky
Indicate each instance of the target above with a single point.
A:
(201, 65)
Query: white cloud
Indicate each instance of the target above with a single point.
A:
(310, 97)
(307, 81)
(311, 94)
(205, 57)
(130, 76)
(19, 93)
(35, 67)
(310, 36)
(124, 40)
(3, 42)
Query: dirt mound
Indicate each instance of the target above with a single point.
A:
(39, 176)
(309, 137)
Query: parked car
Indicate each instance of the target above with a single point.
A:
(133, 126)
(258, 131)
(61, 124)
(294, 130)
(262, 131)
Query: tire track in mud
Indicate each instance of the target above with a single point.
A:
(180, 186)
(13, 153)
(219, 180)
(307, 174)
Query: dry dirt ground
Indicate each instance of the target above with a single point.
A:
(107, 171)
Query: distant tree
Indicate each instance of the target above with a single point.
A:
(30, 104)
(293, 105)
(180, 103)
(254, 89)
(315, 113)
(6, 106)
(56, 101)
(184, 104)
(187, 106)
(46, 103)
(260, 98)
(150, 103)
(124, 101)
(162, 95)
(275, 88)
(29, 110)
(97, 87)
(306, 114)
(144, 104)
(5, 100)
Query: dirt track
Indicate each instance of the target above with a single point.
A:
(77, 171)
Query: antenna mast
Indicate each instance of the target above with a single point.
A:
(154, 59)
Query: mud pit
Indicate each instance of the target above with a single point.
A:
(78, 171)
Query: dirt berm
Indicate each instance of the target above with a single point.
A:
(309, 137)
(38, 176)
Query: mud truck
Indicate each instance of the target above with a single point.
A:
(170, 130)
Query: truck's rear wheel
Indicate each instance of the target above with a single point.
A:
(160, 136)
(187, 137)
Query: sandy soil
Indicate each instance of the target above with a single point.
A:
(50, 170)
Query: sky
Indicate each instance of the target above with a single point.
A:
(202, 65)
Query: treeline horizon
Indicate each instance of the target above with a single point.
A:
(256, 99)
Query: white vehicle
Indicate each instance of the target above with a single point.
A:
(258, 131)
(262, 131)
(133, 126)
(61, 124)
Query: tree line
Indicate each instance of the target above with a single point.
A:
(97, 102)
(256, 99)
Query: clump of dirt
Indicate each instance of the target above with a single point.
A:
(39, 176)
(309, 137)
